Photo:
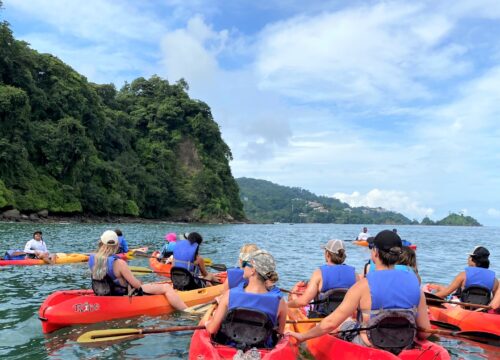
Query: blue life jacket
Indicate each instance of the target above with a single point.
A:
(393, 289)
(123, 246)
(8, 255)
(476, 276)
(184, 255)
(109, 272)
(235, 277)
(405, 243)
(396, 267)
(337, 277)
(268, 303)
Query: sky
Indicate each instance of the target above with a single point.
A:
(377, 103)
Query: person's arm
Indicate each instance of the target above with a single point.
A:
(336, 318)
(495, 302)
(454, 285)
(282, 312)
(201, 264)
(422, 317)
(310, 292)
(214, 324)
(123, 270)
(27, 248)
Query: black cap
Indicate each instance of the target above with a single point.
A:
(480, 252)
(37, 232)
(387, 239)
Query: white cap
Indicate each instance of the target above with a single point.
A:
(334, 246)
(109, 237)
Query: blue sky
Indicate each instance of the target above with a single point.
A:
(378, 103)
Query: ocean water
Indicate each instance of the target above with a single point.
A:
(441, 254)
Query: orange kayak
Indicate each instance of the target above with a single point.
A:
(460, 319)
(202, 346)
(73, 307)
(158, 266)
(365, 243)
(331, 347)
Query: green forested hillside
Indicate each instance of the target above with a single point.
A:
(264, 201)
(74, 147)
(453, 220)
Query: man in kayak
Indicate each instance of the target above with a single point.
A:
(363, 235)
(112, 276)
(123, 246)
(334, 275)
(37, 249)
(382, 293)
(259, 268)
(186, 256)
(475, 274)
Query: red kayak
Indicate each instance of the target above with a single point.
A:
(73, 307)
(331, 347)
(202, 346)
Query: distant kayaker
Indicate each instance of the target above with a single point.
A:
(123, 247)
(334, 275)
(186, 256)
(37, 249)
(475, 274)
(363, 235)
(111, 275)
(168, 248)
(259, 268)
(397, 291)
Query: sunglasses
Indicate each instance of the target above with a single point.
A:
(371, 246)
(245, 263)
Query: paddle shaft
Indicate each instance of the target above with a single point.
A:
(149, 331)
(458, 303)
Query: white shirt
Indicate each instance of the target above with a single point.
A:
(363, 236)
(34, 245)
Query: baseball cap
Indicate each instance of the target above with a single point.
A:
(109, 237)
(479, 252)
(171, 237)
(334, 246)
(263, 263)
(387, 239)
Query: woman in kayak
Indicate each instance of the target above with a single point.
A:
(186, 256)
(475, 274)
(235, 275)
(331, 276)
(37, 249)
(259, 268)
(112, 276)
(385, 288)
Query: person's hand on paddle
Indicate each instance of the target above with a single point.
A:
(434, 287)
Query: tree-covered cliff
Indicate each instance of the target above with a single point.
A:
(73, 147)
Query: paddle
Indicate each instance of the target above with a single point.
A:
(431, 298)
(118, 334)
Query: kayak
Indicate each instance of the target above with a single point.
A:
(455, 317)
(331, 347)
(158, 266)
(365, 243)
(63, 258)
(202, 346)
(73, 307)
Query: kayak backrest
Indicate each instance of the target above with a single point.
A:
(183, 280)
(476, 295)
(327, 302)
(392, 330)
(14, 255)
(246, 328)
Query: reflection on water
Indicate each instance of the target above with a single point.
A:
(441, 255)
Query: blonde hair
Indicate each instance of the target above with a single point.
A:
(247, 249)
(100, 268)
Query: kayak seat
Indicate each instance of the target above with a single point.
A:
(246, 328)
(476, 295)
(392, 330)
(327, 303)
(183, 280)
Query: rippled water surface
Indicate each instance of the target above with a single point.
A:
(441, 255)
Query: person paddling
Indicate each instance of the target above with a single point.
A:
(168, 248)
(111, 275)
(363, 235)
(37, 249)
(476, 274)
(326, 281)
(383, 294)
(253, 296)
(123, 246)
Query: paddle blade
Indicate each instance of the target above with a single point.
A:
(107, 335)
(218, 267)
(140, 269)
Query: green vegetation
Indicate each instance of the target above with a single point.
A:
(458, 220)
(264, 201)
(73, 147)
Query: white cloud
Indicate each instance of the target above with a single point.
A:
(494, 212)
(388, 199)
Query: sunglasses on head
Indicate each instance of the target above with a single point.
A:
(245, 263)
